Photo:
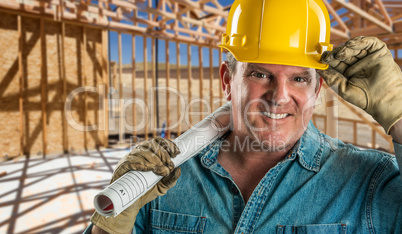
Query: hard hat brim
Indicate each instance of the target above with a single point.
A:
(272, 57)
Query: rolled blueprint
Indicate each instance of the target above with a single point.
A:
(127, 189)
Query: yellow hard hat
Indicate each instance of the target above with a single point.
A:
(287, 32)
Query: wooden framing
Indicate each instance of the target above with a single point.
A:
(195, 23)
(121, 92)
(167, 91)
(355, 128)
(84, 83)
(211, 80)
(201, 80)
(40, 113)
(21, 85)
(146, 86)
(105, 73)
(154, 103)
(43, 86)
(178, 87)
(64, 94)
(133, 86)
(190, 117)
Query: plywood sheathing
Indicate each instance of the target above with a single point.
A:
(9, 86)
(46, 85)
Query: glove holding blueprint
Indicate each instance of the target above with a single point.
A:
(153, 155)
(132, 186)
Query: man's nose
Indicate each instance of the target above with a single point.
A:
(279, 92)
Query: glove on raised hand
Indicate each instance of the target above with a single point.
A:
(364, 73)
(153, 156)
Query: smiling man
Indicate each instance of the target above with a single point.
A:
(277, 173)
(272, 107)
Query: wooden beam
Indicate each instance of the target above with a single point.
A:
(171, 16)
(154, 103)
(399, 62)
(365, 15)
(331, 122)
(146, 114)
(336, 16)
(105, 74)
(201, 79)
(368, 31)
(118, 27)
(64, 92)
(21, 84)
(84, 69)
(167, 91)
(202, 7)
(43, 85)
(190, 117)
(368, 122)
(69, 17)
(211, 80)
(338, 33)
(178, 88)
(121, 97)
(193, 33)
(384, 12)
(133, 85)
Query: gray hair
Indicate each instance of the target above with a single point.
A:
(232, 62)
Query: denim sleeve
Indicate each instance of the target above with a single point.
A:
(398, 155)
(384, 201)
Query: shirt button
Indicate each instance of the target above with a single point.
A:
(234, 190)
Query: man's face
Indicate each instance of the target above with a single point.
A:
(272, 104)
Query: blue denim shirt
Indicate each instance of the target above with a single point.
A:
(323, 186)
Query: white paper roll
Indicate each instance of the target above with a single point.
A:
(127, 189)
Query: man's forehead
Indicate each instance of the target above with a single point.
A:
(277, 67)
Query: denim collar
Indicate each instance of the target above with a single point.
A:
(309, 149)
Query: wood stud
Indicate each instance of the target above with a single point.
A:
(178, 87)
(64, 79)
(21, 85)
(167, 91)
(134, 94)
(201, 80)
(146, 115)
(43, 86)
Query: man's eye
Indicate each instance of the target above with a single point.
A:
(258, 75)
(299, 79)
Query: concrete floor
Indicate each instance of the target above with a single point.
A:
(55, 194)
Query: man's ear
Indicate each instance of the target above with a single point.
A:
(317, 91)
(225, 80)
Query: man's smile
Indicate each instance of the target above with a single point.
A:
(274, 115)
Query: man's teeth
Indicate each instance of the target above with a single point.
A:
(274, 116)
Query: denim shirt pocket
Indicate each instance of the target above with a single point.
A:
(168, 222)
(312, 228)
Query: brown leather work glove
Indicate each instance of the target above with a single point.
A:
(153, 155)
(364, 73)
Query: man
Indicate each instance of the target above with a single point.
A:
(274, 172)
